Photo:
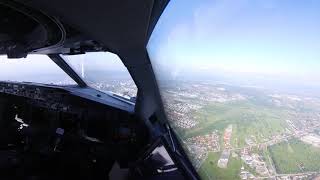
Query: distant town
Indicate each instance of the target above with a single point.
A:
(122, 87)
(244, 132)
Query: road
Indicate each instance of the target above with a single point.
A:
(276, 141)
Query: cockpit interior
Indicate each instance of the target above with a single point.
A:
(74, 130)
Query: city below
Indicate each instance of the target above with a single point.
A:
(245, 132)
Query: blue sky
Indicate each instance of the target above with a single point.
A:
(279, 38)
(271, 37)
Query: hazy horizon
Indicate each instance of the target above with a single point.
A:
(249, 42)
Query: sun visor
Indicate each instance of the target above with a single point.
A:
(24, 30)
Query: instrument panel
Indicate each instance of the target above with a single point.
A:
(52, 110)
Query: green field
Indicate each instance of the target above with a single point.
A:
(288, 155)
(246, 117)
(258, 119)
(210, 170)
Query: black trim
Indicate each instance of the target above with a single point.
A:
(177, 153)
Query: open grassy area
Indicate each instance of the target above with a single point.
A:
(209, 170)
(287, 157)
(247, 119)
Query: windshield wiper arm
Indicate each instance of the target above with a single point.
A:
(56, 58)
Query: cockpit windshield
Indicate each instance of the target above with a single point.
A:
(240, 83)
(104, 71)
(33, 68)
